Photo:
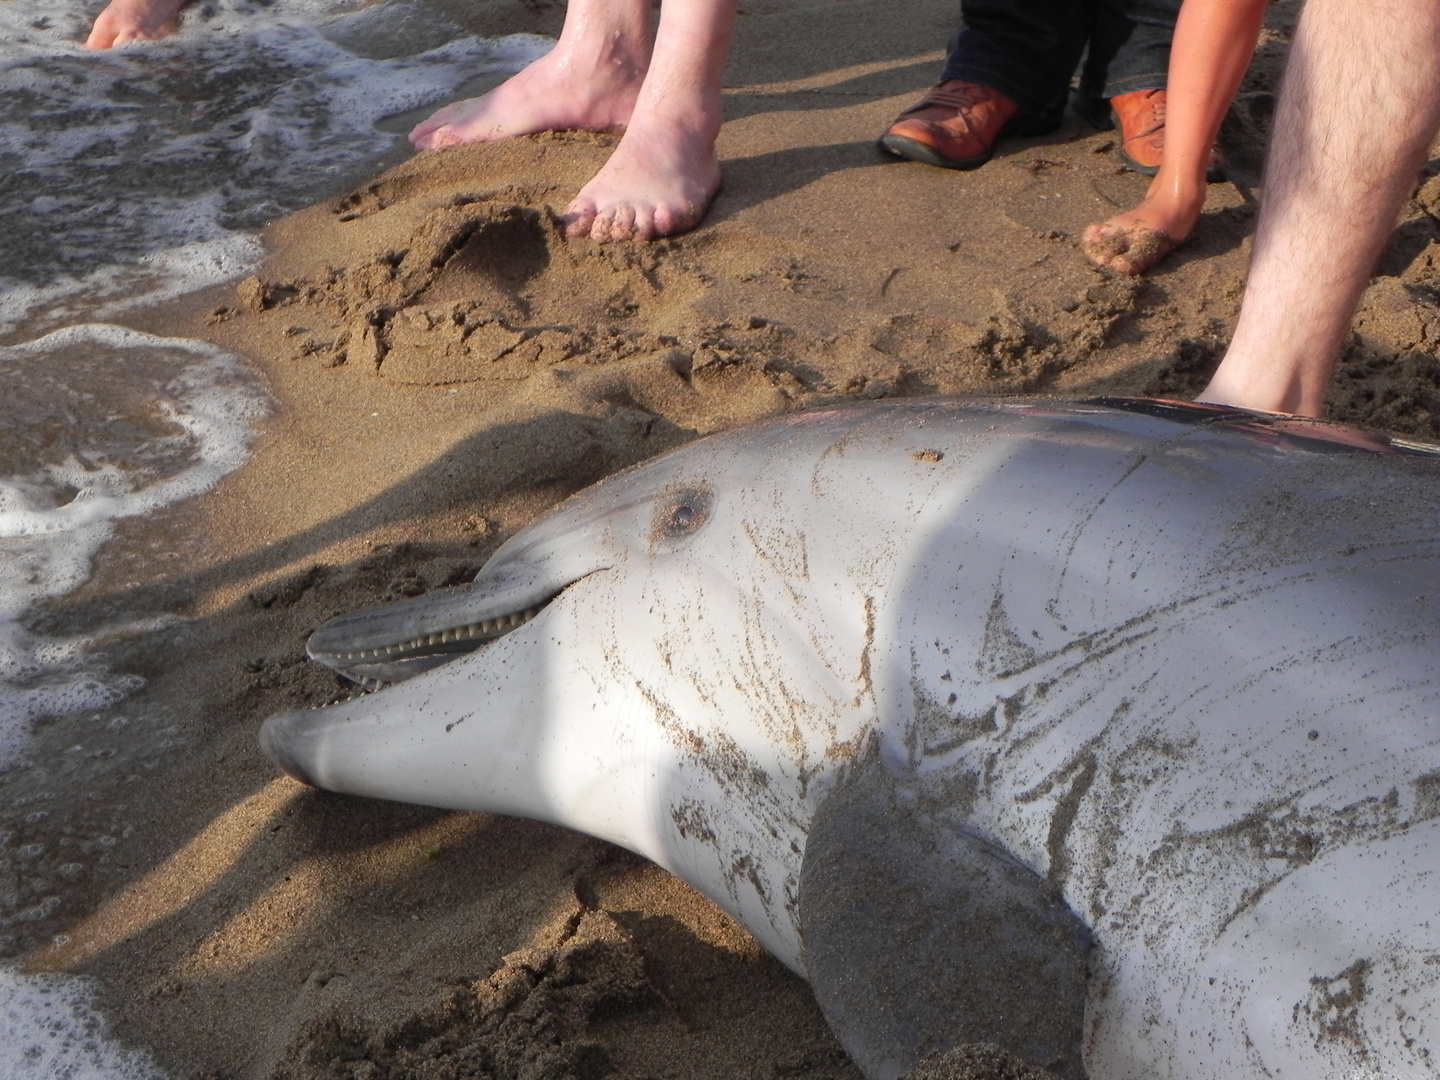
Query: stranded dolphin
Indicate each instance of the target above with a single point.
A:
(1107, 731)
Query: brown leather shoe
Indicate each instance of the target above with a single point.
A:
(956, 126)
(1140, 115)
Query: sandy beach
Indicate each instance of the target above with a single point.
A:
(445, 367)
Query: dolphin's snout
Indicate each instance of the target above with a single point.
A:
(277, 743)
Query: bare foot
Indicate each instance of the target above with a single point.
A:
(1134, 241)
(1126, 245)
(566, 88)
(658, 182)
(134, 20)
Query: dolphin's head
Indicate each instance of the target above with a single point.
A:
(608, 529)
(671, 660)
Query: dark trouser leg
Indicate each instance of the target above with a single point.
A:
(1026, 49)
(1129, 47)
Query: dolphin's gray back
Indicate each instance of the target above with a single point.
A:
(1182, 665)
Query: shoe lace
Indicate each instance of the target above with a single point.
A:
(1156, 99)
(1157, 110)
(958, 94)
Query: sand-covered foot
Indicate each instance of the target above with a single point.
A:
(1126, 246)
(1134, 241)
(134, 20)
(659, 181)
(562, 90)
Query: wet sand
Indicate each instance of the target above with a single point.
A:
(446, 367)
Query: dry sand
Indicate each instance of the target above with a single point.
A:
(446, 367)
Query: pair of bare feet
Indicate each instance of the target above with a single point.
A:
(603, 74)
(659, 180)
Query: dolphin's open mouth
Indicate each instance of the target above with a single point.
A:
(392, 643)
(445, 643)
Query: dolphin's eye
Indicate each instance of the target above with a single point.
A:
(681, 513)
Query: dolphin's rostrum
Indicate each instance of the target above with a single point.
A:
(1107, 731)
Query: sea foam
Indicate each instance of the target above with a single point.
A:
(100, 423)
(49, 1031)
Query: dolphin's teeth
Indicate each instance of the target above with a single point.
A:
(476, 632)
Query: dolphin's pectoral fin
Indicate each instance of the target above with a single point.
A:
(918, 939)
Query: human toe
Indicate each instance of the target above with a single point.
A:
(670, 220)
(1101, 244)
(619, 223)
(667, 221)
(440, 138)
(579, 218)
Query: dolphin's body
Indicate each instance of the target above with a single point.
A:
(931, 695)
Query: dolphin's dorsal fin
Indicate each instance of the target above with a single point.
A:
(919, 938)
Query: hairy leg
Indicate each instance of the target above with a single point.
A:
(589, 80)
(1214, 40)
(662, 176)
(134, 20)
(1358, 110)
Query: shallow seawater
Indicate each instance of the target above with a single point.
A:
(130, 177)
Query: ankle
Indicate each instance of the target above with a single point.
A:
(689, 121)
(620, 56)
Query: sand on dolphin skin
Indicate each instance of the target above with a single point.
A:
(446, 367)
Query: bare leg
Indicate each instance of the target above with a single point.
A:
(662, 176)
(1214, 40)
(134, 20)
(1358, 109)
(589, 80)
